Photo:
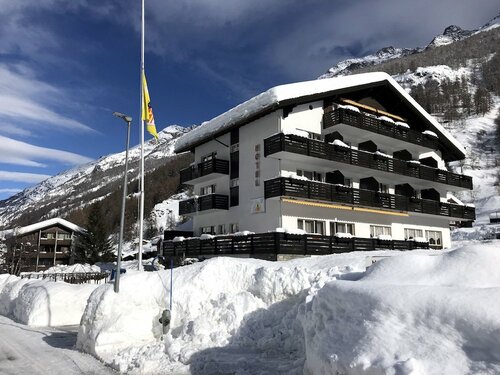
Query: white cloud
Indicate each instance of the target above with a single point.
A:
(9, 191)
(22, 153)
(11, 129)
(24, 98)
(31, 178)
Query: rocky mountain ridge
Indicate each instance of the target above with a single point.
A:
(450, 35)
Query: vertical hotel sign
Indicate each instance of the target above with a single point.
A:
(257, 164)
(258, 204)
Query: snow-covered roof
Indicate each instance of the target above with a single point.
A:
(47, 223)
(299, 91)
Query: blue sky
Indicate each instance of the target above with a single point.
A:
(65, 66)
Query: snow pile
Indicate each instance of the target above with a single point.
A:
(430, 133)
(339, 143)
(298, 132)
(10, 286)
(41, 302)
(411, 314)
(402, 124)
(349, 107)
(421, 312)
(218, 303)
(75, 268)
(386, 119)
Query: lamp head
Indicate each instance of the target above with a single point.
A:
(123, 116)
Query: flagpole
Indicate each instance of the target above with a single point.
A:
(141, 196)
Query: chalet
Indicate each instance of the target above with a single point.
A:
(347, 157)
(42, 245)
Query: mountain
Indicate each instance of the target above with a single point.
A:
(455, 78)
(450, 35)
(79, 187)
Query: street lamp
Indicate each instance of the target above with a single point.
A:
(128, 120)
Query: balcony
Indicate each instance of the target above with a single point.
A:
(205, 203)
(204, 171)
(298, 145)
(381, 132)
(270, 245)
(290, 187)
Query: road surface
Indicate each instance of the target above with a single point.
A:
(37, 351)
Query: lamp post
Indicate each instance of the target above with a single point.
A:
(128, 120)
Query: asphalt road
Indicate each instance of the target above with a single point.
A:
(43, 350)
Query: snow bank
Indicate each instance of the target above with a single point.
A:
(75, 268)
(48, 303)
(41, 302)
(216, 303)
(9, 290)
(411, 314)
(422, 312)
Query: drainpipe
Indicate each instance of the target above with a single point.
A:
(55, 247)
(38, 250)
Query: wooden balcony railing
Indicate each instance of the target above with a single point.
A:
(204, 203)
(284, 186)
(318, 149)
(260, 244)
(373, 124)
(203, 169)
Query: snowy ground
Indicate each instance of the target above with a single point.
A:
(422, 312)
(42, 351)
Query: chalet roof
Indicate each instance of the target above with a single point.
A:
(47, 224)
(303, 92)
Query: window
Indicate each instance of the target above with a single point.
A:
(63, 236)
(337, 227)
(311, 226)
(379, 230)
(208, 157)
(234, 196)
(210, 189)
(234, 227)
(310, 175)
(234, 161)
(234, 182)
(208, 230)
(435, 238)
(221, 229)
(412, 233)
(348, 182)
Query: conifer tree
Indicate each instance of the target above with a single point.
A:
(95, 245)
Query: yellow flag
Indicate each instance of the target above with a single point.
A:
(147, 110)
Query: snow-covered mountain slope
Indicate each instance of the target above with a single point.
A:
(87, 183)
(450, 35)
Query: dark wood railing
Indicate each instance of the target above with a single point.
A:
(373, 124)
(284, 186)
(204, 203)
(203, 169)
(71, 278)
(282, 243)
(318, 149)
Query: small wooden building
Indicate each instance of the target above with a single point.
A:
(42, 245)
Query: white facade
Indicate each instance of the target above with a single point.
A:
(257, 214)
